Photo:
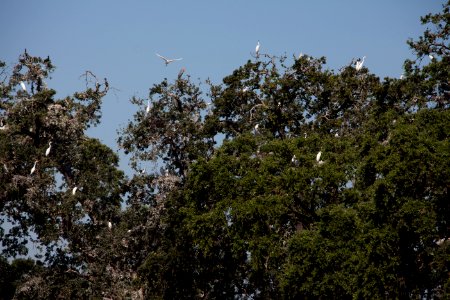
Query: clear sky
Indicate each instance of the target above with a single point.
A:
(118, 40)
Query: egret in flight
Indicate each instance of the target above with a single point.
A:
(168, 60)
(24, 87)
(359, 63)
(258, 45)
(33, 168)
(47, 152)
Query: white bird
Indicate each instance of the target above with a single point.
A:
(74, 190)
(440, 241)
(33, 168)
(22, 84)
(258, 45)
(431, 56)
(168, 60)
(109, 225)
(256, 128)
(359, 63)
(147, 110)
(2, 126)
(318, 156)
(336, 134)
(47, 152)
(294, 160)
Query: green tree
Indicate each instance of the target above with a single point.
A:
(61, 199)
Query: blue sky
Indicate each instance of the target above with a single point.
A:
(118, 40)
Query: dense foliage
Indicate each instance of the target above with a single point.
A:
(286, 181)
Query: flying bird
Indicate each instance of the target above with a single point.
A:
(168, 60)
(33, 168)
(258, 45)
(359, 63)
(47, 152)
(24, 87)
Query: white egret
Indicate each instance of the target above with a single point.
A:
(74, 190)
(33, 168)
(441, 241)
(431, 56)
(109, 225)
(24, 87)
(256, 128)
(147, 110)
(359, 63)
(336, 134)
(2, 126)
(318, 156)
(168, 60)
(258, 45)
(47, 152)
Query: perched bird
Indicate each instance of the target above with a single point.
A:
(168, 60)
(74, 190)
(431, 56)
(336, 134)
(359, 63)
(147, 110)
(294, 160)
(33, 168)
(109, 225)
(318, 156)
(256, 128)
(24, 88)
(2, 126)
(258, 45)
(47, 152)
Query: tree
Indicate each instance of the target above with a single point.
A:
(262, 218)
(43, 205)
(327, 184)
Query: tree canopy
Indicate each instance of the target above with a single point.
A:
(285, 181)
